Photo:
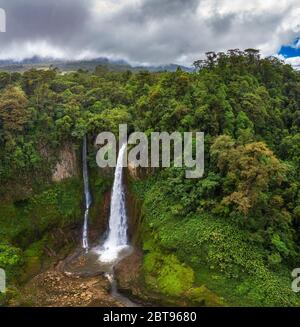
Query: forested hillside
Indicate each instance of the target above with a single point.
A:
(232, 236)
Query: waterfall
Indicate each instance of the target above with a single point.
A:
(88, 199)
(116, 241)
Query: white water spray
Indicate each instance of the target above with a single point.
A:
(88, 199)
(116, 241)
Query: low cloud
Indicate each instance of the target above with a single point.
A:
(145, 31)
(294, 61)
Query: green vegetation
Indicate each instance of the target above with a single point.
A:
(24, 224)
(223, 258)
(164, 273)
(238, 227)
(231, 237)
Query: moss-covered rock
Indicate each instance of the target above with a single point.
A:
(204, 297)
(164, 273)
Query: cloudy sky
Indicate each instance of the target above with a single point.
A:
(149, 31)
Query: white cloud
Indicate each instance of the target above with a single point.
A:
(147, 31)
(294, 61)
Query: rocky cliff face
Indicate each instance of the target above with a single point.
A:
(67, 165)
(133, 206)
(138, 173)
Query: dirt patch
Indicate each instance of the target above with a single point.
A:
(54, 289)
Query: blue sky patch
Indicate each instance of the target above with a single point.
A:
(289, 51)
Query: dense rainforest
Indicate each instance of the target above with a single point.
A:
(229, 238)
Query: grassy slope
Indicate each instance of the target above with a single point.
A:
(205, 251)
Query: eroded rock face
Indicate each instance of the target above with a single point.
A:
(138, 173)
(66, 166)
(133, 171)
(128, 274)
(130, 279)
(133, 207)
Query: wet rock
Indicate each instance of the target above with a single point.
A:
(128, 274)
(128, 271)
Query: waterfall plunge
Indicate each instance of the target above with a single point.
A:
(88, 199)
(116, 241)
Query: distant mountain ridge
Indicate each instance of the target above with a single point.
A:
(86, 64)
